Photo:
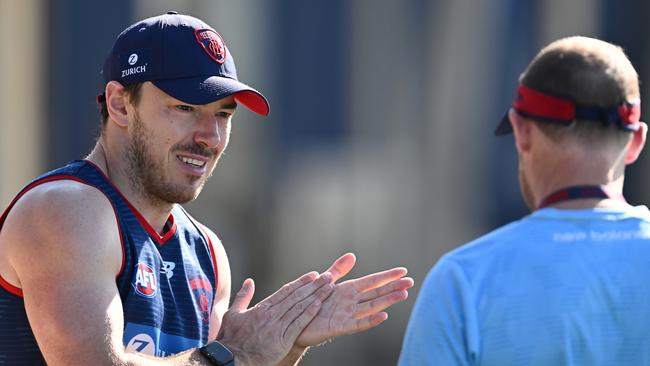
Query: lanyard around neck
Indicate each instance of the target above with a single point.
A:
(578, 192)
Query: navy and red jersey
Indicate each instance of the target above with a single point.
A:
(167, 283)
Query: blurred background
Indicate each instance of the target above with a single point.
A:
(380, 136)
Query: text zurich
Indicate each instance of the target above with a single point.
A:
(134, 70)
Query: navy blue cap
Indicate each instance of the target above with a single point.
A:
(184, 57)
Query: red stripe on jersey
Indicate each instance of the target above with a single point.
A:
(11, 288)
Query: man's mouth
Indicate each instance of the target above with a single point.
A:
(192, 162)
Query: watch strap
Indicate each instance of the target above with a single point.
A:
(218, 354)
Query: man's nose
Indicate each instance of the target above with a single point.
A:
(207, 133)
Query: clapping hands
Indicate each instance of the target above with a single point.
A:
(355, 305)
(309, 311)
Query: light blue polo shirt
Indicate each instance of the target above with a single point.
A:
(558, 287)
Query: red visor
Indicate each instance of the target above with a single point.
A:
(548, 108)
(537, 104)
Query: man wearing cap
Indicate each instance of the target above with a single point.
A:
(100, 265)
(567, 284)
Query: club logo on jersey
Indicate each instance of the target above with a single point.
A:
(202, 294)
(146, 281)
(212, 44)
(142, 343)
(168, 269)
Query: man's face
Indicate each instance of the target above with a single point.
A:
(174, 146)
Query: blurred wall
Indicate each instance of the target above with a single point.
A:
(22, 106)
(380, 135)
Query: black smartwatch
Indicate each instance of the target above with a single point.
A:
(218, 354)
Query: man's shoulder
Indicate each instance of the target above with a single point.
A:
(62, 208)
(66, 220)
(468, 264)
(484, 255)
(492, 243)
(65, 198)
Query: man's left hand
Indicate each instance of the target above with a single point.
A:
(355, 305)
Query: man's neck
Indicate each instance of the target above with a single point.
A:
(556, 167)
(156, 215)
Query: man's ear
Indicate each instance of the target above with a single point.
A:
(521, 128)
(636, 144)
(116, 103)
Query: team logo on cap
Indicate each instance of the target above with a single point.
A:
(212, 44)
(146, 281)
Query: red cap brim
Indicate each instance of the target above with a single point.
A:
(204, 90)
(253, 101)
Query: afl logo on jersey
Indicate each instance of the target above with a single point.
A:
(146, 282)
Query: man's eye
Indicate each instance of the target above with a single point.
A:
(185, 108)
(224, 114)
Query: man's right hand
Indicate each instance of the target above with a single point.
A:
(265, 333)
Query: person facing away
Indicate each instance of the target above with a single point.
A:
(567, 284)
(101, 265)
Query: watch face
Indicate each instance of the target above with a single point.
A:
(218, 353)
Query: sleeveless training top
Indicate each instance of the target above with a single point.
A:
(167, 284)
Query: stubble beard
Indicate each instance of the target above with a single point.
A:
(147, 175)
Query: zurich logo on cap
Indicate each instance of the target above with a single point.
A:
(133, 59)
